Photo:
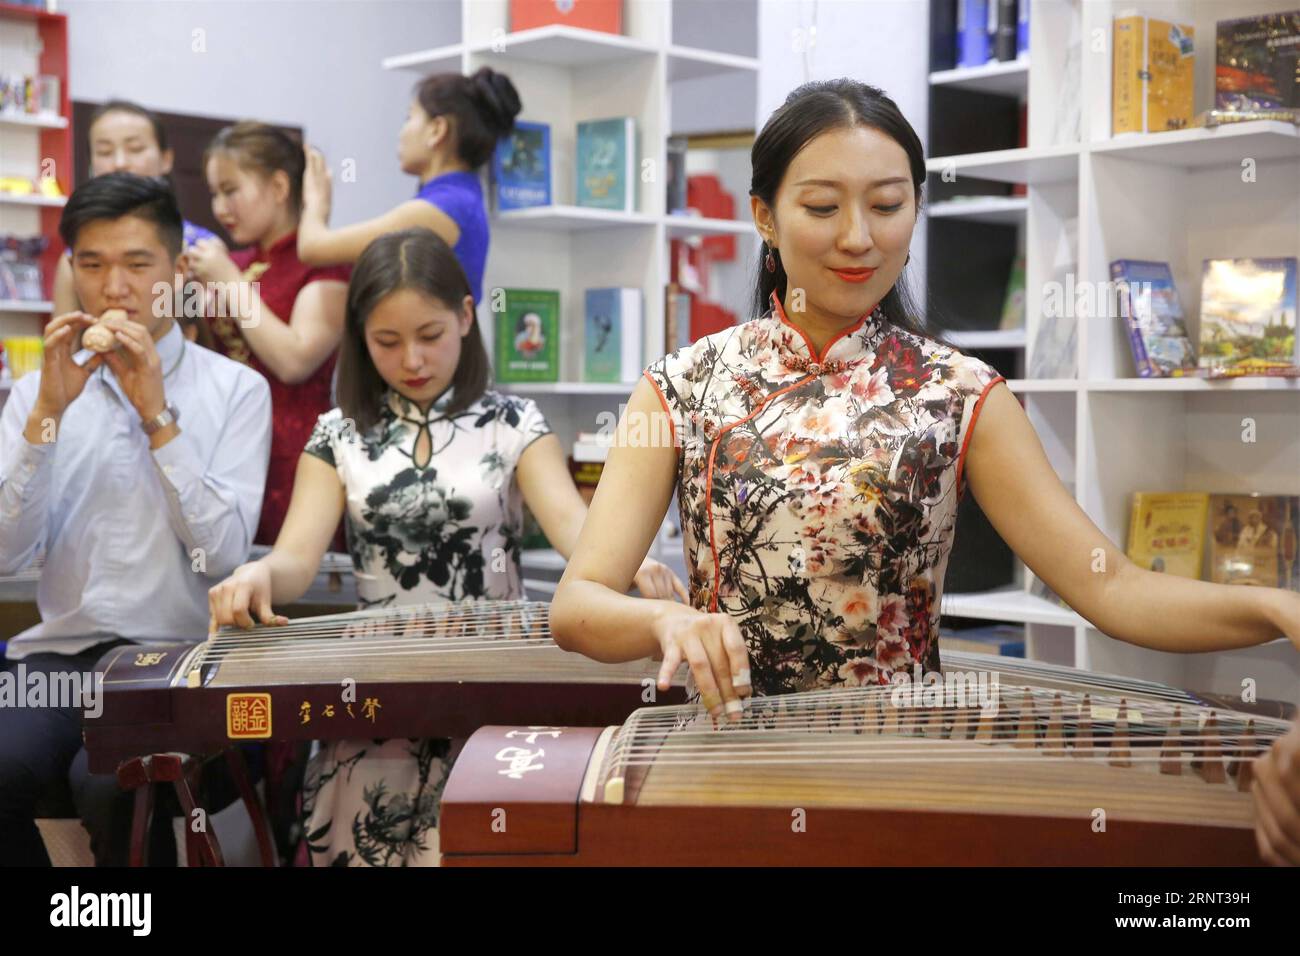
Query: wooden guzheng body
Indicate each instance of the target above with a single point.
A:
(1069, 768)
(434, 670)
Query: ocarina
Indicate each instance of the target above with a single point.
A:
(99, 337)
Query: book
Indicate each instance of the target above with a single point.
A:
(972, 32)
(1148, 303)
(677, 318)
(1022, 30)
(1013, 305)
(1055, 351)
(675, 201)
(1257, 62)
(528, 336)
(1253, 540)
(1151, 75)
(612, 335)
(603, 15)
(1248, 317)
(1166, 531)
(587, 461)
(607, 164)
(521, 167)
(1001, 640)
(1004, 43)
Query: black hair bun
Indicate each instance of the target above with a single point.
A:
(499, 97)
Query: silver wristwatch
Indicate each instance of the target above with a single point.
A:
(161, 420)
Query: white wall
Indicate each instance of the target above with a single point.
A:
(881, 42)
(310, 64)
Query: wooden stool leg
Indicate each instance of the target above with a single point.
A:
(140, 817)
(256, 812)
(201, 847)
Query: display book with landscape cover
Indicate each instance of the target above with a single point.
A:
(1248, 317)
(1149, 305)
(528, 336)
(1224, 538)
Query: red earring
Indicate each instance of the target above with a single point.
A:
(769, 263)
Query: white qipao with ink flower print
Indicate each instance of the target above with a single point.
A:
(818, 492)
(441, 525)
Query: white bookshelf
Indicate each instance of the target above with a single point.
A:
(565, 76)
(1174, 196)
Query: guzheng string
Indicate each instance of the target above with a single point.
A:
(440, 627)
(863, 725)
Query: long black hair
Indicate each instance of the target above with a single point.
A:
(809, 111)
(409, 259)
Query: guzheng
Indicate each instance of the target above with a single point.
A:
(1051, 766)
(431, 670)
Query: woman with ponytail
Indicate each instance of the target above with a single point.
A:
(286, 319)
(451, 129)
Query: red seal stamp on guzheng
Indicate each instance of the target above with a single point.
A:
(248, 716)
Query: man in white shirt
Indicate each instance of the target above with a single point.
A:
(139, 474)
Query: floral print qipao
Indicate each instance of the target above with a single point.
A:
(818, 493)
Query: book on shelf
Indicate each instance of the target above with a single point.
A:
(1252, 540)
(612, 335)
(587, 461)
(607, 164)
(521, 167)
(1004, 35)
(1022, 30)
(1000, 640)
(1166, 531)
(675, 201)
(1055, 350)
(973, 31)
(1157, 335)
(677, 318)
(528, 336)
(1257, 62)
(1151, 75)
(603, 15)
(1013, 305)
(1248, 317)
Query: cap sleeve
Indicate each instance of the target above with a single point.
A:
(324, 437)
(671, 377)
(974, 379)
(529, 425)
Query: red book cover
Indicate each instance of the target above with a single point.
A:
(603, 15)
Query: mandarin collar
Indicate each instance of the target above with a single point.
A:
(856, 342)
(277, 248)
(407, 410)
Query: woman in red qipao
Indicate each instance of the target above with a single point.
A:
(287, 319)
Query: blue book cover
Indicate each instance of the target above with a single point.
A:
(521, 167)
(1022, 30)
(607, 164)
(612, 335)
(972, 32)
(1151, 311)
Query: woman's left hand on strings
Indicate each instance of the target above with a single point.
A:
(1276, 790)
(317, 185)
(655, 579)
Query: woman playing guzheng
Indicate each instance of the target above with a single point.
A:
(819, 451)
(429, 469)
